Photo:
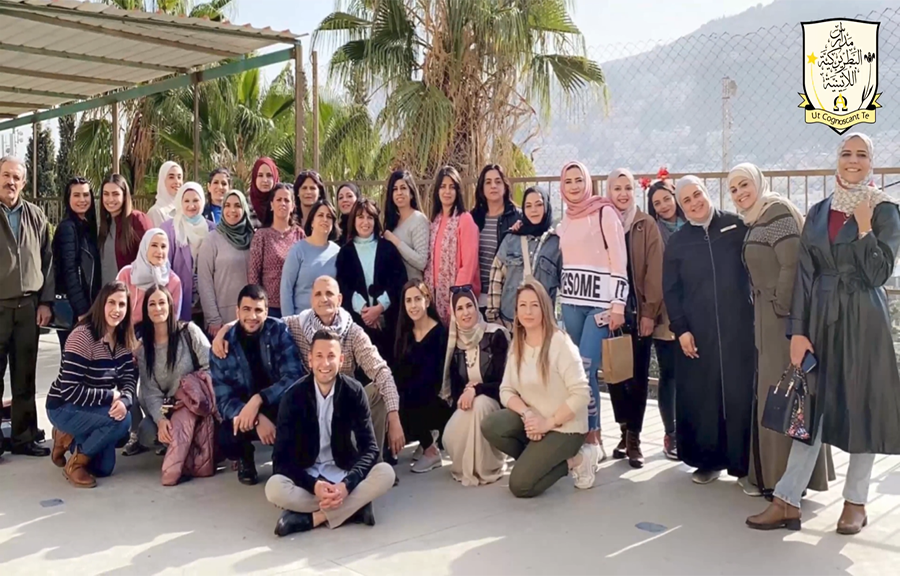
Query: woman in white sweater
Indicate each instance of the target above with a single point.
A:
(404, 224)
(545, 393)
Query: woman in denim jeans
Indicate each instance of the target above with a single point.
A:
(89, 403)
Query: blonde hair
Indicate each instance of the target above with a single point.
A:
(548, 326)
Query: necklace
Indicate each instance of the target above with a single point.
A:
(471, 359)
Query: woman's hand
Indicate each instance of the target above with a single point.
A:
(616, 320)
(863, 215)
(371, 314)
(164, 431)
(800, 345)
(688, 346)
(516, 227)
(537, 424)
(213, 330)
(391, 237)
(646, 328)
(468, 397)
(118, 411)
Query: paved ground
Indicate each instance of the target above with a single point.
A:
(645, 521)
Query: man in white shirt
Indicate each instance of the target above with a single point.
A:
(325, 454)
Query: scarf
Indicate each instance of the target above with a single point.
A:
(259, 199)
(143, 274)
(310, 323)
(628, 214)
(683, 183)
(190, 231)
(241, 234)
(165, 202)
(529, 228)
(588, 204)
(765, 197)
(848, 196)
(468, 340)
(447, 252)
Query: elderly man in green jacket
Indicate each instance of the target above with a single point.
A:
(26, 297)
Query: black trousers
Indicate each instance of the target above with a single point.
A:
(19, 348)
(629, 398)
(236, 446)
(665, 356)
(419, 421)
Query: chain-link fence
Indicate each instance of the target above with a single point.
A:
(705, 102)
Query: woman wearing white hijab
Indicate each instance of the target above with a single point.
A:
(170, 178)
(707, 296)
(770, 254)
(839, 313)
(150, 267)
(187, 231)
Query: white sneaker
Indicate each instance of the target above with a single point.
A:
(584, 474)
(427, 463)
(705, 476)
(748, 488)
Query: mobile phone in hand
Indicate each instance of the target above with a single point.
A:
(809, 362)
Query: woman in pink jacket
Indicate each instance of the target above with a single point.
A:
(453, 247)
(594, 283)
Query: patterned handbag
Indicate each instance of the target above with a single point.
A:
(787, 406)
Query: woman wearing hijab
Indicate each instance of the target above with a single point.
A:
(662, 207)
(263, 179)
(840, 314)
(770, 254)
(222, 262)
(707, 295)
(645, 307)
(347, 195)
(532, 251)
(187, 232)
(170, 179)
(473, 370)
(594, 284)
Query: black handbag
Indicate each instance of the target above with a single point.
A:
(787, 408)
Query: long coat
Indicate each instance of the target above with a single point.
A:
(770, 253)
(707, 293)
(840, 305)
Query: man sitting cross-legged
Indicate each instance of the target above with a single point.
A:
(322, 475)
(261, 365)
(358, 350)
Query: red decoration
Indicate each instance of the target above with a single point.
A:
(663, 173)
(645, 183)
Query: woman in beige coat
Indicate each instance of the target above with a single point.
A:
(770, 254)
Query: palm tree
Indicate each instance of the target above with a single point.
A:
(462, 80)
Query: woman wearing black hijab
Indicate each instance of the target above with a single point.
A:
(530, 251)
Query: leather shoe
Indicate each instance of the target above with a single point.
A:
(30, 449)
(853, 519)
(633, 449)
(247, 474)
(291, 522)
(61, 443)
(779, 514)
(365, 515)
(619, 452)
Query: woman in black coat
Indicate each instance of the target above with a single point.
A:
(76, 258)
(707, 295)
(840, 315)
(371, 275)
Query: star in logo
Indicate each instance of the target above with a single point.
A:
(811, 59)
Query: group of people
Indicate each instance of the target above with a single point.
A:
(335, 333)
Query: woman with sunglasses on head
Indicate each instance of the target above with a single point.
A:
(370, 274)
(473, 370)
(310, 190)
(218, 185)
(453, 244)
(404, 224)
(121, 227)
(76, 256)
(271, 244)
(346, 197)
(171, 177)
(495, 215)
(263, 181)
(531, 251)
(314, 256)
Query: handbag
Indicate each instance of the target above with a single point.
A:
(618, 358)
(787, 409)
(63, 314)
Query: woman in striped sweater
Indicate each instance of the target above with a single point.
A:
(89, 403)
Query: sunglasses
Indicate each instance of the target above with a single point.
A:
(463, 288)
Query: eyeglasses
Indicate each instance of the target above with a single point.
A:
(460, 289)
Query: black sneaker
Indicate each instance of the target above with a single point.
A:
(365, 515)
(133, 447)
(670, 448)
(247, 474)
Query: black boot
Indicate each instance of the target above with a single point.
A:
(247, 474)
(291, 522)
(619, 451)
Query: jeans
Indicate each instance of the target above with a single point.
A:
(802, 462)
(629, 398)
(665, 356)
(95, 433)
(584, 332)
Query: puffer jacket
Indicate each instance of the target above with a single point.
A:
(77, 262)
(191, 452)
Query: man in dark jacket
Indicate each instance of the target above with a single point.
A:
(321, 475)
(261, 365)
(26, 297)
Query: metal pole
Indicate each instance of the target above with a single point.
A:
(299, 114)
(115, 137)
(315, 111)
(35, 134)
(729, 89)
(196, 87)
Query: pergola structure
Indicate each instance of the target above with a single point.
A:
(59, 57)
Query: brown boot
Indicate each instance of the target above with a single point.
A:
(853, 519)
(61, 443)
(76, 472)
(619, 450)
(779, 514)
(633, 450)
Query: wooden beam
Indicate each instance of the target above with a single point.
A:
(61, 77)
(47, 93)
(88, 58)
(113, 32)
(299, 112)
(114, 108)
(196, 131)
(315, 109)
(23, 105)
